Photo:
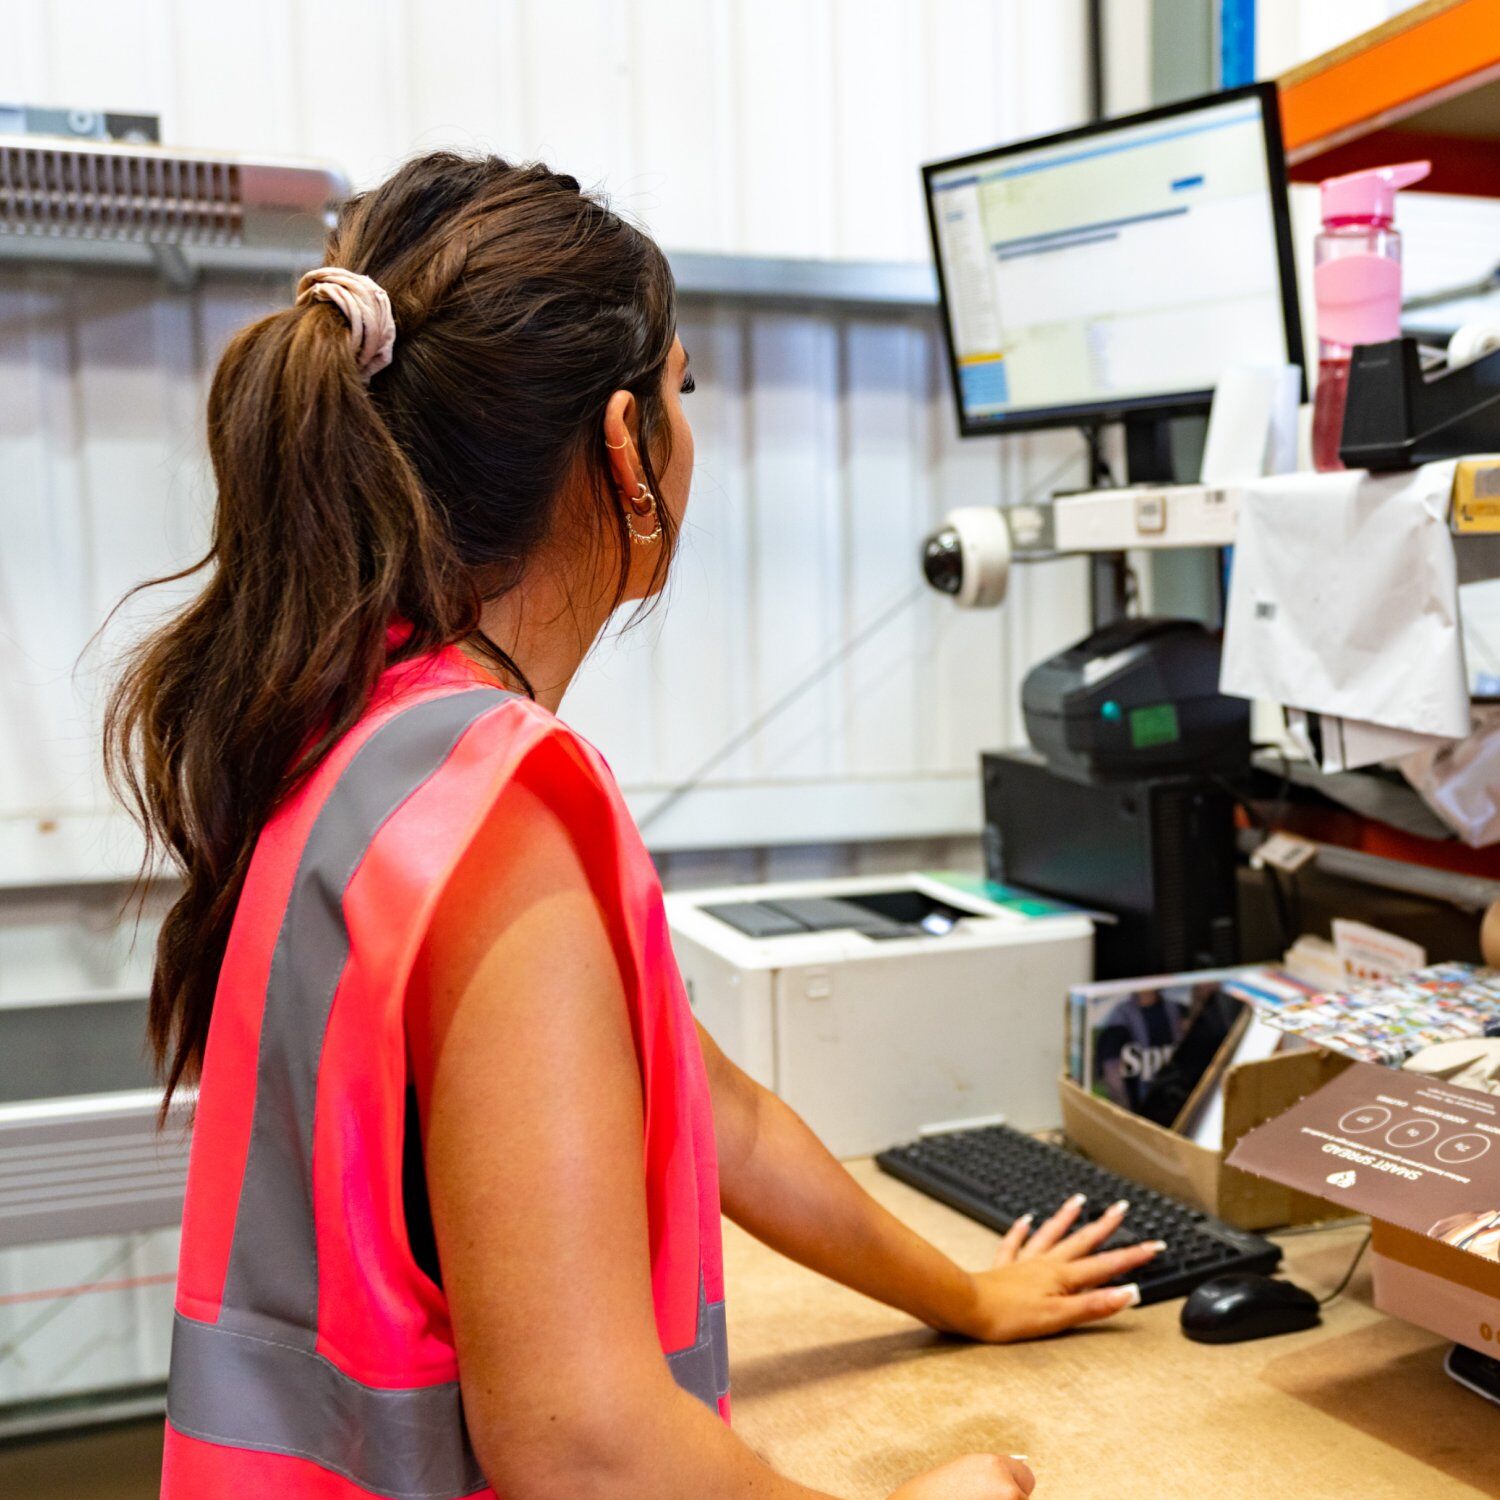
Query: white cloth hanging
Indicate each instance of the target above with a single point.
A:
(1343, 601)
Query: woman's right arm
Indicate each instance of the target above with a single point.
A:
(530, 1099)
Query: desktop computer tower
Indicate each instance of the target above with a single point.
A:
(1157, 853)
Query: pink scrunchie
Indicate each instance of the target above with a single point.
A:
(366, 308)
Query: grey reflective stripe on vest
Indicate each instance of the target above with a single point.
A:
(248, 1392)
(702, 1369)
(271, 1286)
(254, 1378)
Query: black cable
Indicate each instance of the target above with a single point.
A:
(1284, 796)
(1286, 927)
(1279, 812)
(1101, 475)
(1287, 907)
(1294, 880)
(1338, 1291)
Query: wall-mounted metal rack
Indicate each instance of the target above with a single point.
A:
(185, 213)
(179, 211)
(760, 281)
(889, 286)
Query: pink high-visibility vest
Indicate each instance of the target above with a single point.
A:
(312, 1354)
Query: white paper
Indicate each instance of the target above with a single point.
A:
(1315, 961)
(1258, 1041)
(1344, 600)
(1472, 1063)
(1461, 783)
(1349, 744)
(1252, 425)
(1284, 851)
(1370, 953)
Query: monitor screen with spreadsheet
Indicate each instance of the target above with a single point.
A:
(1116, 269)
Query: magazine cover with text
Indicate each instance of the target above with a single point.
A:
(1122, 1032)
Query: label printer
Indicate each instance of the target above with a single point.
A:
(1137, 696)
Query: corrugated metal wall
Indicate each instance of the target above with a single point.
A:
(825, 443)
(774, 127)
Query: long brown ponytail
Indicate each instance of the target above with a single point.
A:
(521, 304)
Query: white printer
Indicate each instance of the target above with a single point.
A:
(882, 1006)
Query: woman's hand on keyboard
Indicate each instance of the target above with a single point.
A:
(1053, 1279)
(980, 1476)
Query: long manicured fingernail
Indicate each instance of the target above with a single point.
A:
(1133, 1295)
(1020, 1458)
(1026, 1219)
(1123, 1206)
(1077, 1200)
(1157, 1246)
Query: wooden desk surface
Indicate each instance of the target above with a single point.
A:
(845, 1395)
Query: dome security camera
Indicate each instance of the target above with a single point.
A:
(969, 557)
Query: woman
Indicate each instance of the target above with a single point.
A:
(452, 1224)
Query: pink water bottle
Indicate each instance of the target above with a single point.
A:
(1357, 286)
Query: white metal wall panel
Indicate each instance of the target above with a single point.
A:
(825, 444)
(780, 127)
(85, 1316)
(702, 634)
(884, 501)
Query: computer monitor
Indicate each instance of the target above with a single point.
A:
(1115, 271)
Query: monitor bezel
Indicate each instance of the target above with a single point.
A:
(1166, 404)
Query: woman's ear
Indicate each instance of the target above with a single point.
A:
(619, 435)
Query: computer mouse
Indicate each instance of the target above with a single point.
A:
(1231, 1309)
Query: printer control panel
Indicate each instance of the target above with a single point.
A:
(880, 916)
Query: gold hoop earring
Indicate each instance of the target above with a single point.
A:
(616, 446)
(647, 499)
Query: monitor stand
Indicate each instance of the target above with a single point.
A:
(1148, 450)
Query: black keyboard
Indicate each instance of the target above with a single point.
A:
(996, 1174)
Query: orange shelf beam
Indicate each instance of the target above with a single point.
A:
(1433, 52)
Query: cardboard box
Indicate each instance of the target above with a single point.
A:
(1435, 1286)
(1422, 1158)
(1253, 1093)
